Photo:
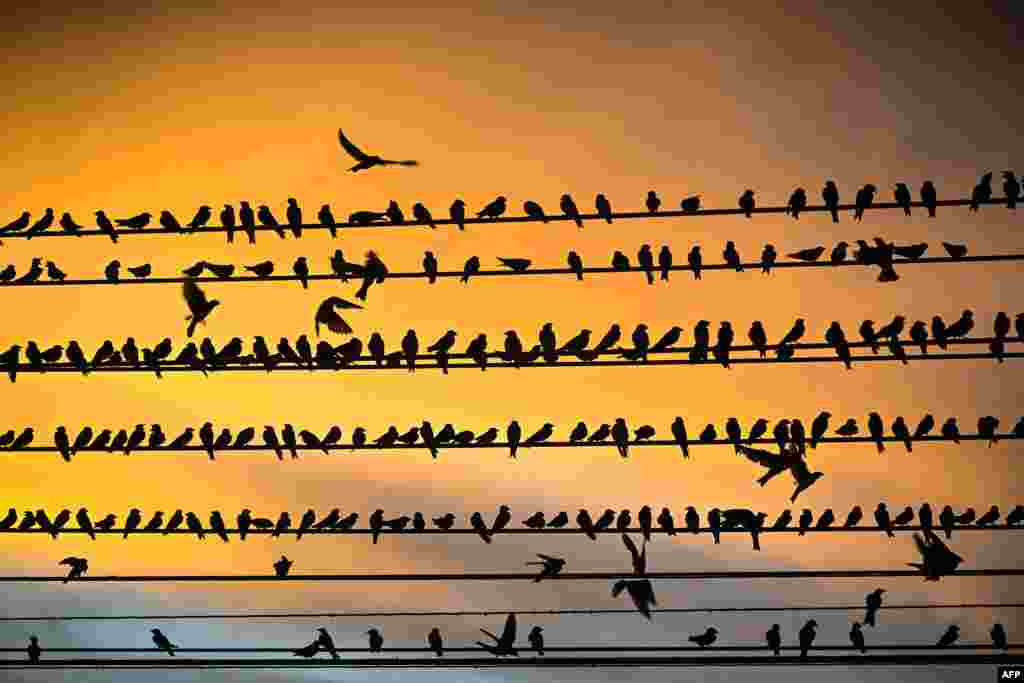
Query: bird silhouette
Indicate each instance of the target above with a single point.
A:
(77, 565)
(1011, 187)
(494, 209)
(551, 566)
(705, 639)
(476, 520)
(989, 517)
(69, 225)
(857, 637)
(768, 257)
(162, 643)
(950, 430)
(505, 644)
(586, 524)
(732, 257)
(873, 602)
(559, 520)
(982, 191)
(365, 161)
(808, 255)
(853, 519)
(517, 265)
(620, 261)
(929, 197)
(327, 314)
(998, 635)
(568, 207)
(694, 260)
(807, 634)
(902, 196)
(951, 635)
(21, 222)
(472, 267)
(422, 215)
(54, 273)
(604, 208)
(457, 212)
(199, 306)
(534, 210)
(830, 195)
(690, 204)
(865, 196)
(797, 202)
(937, 560)
(774, 639)
(575, 264)
(308, 650)
(435, 642)
(653, 202)
(747, 202)
(444, 523)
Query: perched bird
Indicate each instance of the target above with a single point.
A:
(808, 255)
(54, 273)
(534, 210)
(797, 202)
(472, 267)
(78, 566)
(604, 208)
(747, 202)
(69, 225)
(982, 191)
(857, 637)
(694, 259)
(536, 639)
(21, 222)
(873, 601)
(664, 262)
(575, 264)
(865, 196)
(457, 212)
(830, 195)
(732, 257)
(435, 642)
(308, 650)
(551, 566)
(162, 643)
(34, 651)
(705, 639)
(853, 519)
(620, 261)
(998, 635)
(568, 207)
(365, 161)
(690, 204)
(990, 517)
(646, 260)
(494, 209)
(422, 215)
(517, 265)
(807, 634)
(902, 196)
(774, 639)
(950, 430)
(951, 635)
(444, 523)
(653, 202)
(883, 520)
(476, 520)
(929, 197)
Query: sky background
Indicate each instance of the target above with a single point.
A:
(127, 109)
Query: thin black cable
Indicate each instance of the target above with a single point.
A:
(555, 648)
(496, 612)
(592, 576)
(681, 531)
(431, 362)
(504, 445)
(509, 219)
(751, 267)
(933, 658)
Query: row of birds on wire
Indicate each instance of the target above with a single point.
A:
(246, 219)
(718, 521)
(786, 432)
(505, 644)
(205, 357)
(882, 254)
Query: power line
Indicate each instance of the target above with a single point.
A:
(962, 647)
(682, 531)
(751, 267)
(934, 657)
(367, 363)
(226, 616)
(509, 219)
(592, 576)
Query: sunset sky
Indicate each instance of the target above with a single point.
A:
(130, 109)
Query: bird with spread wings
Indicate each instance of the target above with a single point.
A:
(365, 160)
(505, 645)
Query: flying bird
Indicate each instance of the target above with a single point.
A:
(78, 566)
(327, 314)
(365, 161)
(199, 306)
(551, 566)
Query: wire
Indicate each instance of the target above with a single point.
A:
(512, 219)
(663, 443)
(933, 658)
(514, 531)
(748, 267)
(496, 612)
(431, 362)
(592, 576)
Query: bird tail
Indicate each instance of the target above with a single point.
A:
(191, 326)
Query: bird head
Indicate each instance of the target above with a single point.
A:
(214, 303)
(713, 630)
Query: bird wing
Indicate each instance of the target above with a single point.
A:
(761, 457)
(354, 151)
(194, 296)
(508, 636)
(632, 549)
(69, 561)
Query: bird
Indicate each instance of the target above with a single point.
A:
(162, 643)
(326, 219)
(620, 435)
(327, 314)
(623, 521)
(950, 430)
(989, 517)
(301, 269)
(808, 255)
(444, 523)
(435, 642)
(900, 431)
(365, 161)
(962, 326)
(476, 520)
(308, 650)
(902, 196)
(169, 223)
(534, 210)
(21, 222)
(551, 566)
(747, 202)
(865, 196)
(641, 592)
(199, 306)
(937, 560)
(457, 212)
(795, 333)
(830, 195)
(807, 634)
(77, 565)
(505, 644)
(694, 260)
(774, 639)
(54, 273)
(1011, 187)
(797, 202)
(883, 520)
(951, 635)
(857, 637)
(653, 202)
(620, 261)
(575, 264)
(998, 635)
(69, 225)
(982, 191)
(705, 639)
(141, 272)
(732, 257)
(690, 204)
(494, 209)
(536, 639)
(84, 523)
(853, 519)
(646, 260)
(568, 207)
(517, 265)
(559, 520)
(929, 197)
(873, 601)
(472, 267)
(422, 215)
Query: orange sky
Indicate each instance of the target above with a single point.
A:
(130, 112)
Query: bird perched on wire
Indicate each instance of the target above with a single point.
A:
(690, 204)
(652, 201)
(568, 207)
(517, 265)
(873, 601)
(435, 642)
(902, 196)
(162, 643)
(797, 202)
(747, 202)
(551, 566)
(364, 160)
(982, 191)
(536, 639)
(951, 635)
(1011, 186)
(808, 255)
(830, 195)
(534, 210)
(78, 565)
(705, 639)
(326, 314)
(199, 306)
